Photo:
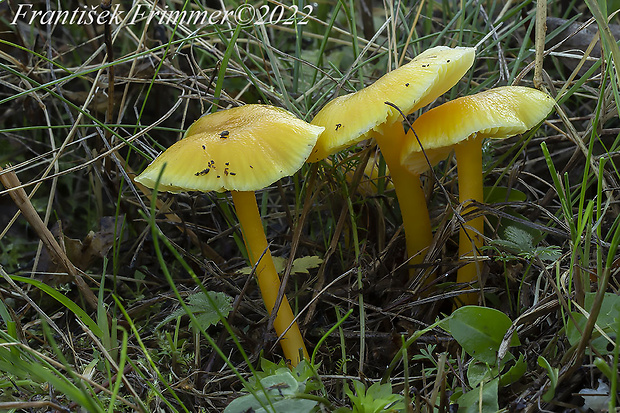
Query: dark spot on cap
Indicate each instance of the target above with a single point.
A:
(203, 172)
(338, 126)
(224, 134)
(218, 176)
(407, 84)
(226, 171)
(232, 173)
(448, 61)
(227, 163)
(251, 167)
(204, 147)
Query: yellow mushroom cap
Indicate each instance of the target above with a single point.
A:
(240, 149)
(417, 163)
(347, 119)
(496, 113)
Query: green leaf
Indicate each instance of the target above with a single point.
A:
(514, 373)
(283, 384)
(278, 262)
(200, 305)
(480, 331)
(470, 401)
(552, 372)
(478, 372)
(280, 391)
(549, 253)
(249, 403)
(300, 265)
(610, 308)
(602, 365)
(377, 398)
(501, 194)
(303, 264)
(522, 240)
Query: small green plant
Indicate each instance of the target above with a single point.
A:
(377, 398)
(278, 389)
(480, 332)
(520, 241)
(552, 373)
(206, 309)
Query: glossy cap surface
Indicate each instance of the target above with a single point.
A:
(496, 113)
(240, 149)
(348, 119)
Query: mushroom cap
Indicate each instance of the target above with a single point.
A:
(240, 149)
(368, 185)
(417, 163)
(348, 119)
(496, 113)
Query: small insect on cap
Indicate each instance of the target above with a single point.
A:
(348, 119)
(496, 113)
(240, 149)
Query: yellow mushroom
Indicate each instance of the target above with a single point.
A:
(242, 150)
(357, 116)
(462, 124)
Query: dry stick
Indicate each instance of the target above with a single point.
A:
(10, 180)
(413, 25)
(285, 206)
(132, 69)
(357, 176)
(206, 249)
(577, 358)
(569, 369)
(541, 30)
(297, 235)
(504, 73)
(229, 319)
(295, 243)
(106, 5)
(31, 405)
(367, 18)
(54, 181)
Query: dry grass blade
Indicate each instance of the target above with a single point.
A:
(11, 182)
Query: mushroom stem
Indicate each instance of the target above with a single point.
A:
(469, 164)
(413, 209)
(411, 198)
(267, 276)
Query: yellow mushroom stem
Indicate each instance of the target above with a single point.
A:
(469, 164)
(411, 198)
(267, 276)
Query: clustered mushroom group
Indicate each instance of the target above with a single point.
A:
(248, 148)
